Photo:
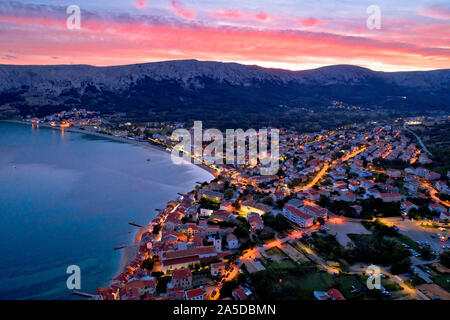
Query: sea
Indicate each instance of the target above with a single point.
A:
(66, 199)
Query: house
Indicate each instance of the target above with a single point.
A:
(195, 294)
(227, 206)
(442, 187)
(294, 214)
(335, 294)
(140, 287)
(222, 216)
(348, 196)
(232, 241)
(255, 221)
(407, 206)
(239, 294)
(444, 216)
(177, 259)
(437, 207)
(252, 206)
(210, 195)
(182, 278)
(218, 269)
(366, 183)
(391, 197)
(393, 173)
(314, 211)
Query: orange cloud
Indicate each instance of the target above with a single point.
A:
(125, 39)
(180, 10)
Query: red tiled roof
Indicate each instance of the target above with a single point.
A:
(335, 294)
(189, 252)
(194, 293)
(181, 274)
(239, 293)
(297, 212)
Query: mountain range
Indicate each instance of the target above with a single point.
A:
(213, 88)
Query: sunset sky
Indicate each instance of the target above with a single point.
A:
(290, 34)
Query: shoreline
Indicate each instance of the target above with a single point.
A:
(143, 144)
(130, 251)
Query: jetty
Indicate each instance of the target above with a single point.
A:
(84, 294)
(135, 224)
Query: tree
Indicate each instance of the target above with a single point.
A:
(320, 221)
(148, 264)
(268, 200)
(228, 194)
(444, 258)
(156, 229)
(401, 266)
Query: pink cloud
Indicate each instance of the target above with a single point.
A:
(128, 39)
(141, 4)
(262, 16)
(180, 10)
(233, 14)
(310, 22)
(227, 14)
(435, 11)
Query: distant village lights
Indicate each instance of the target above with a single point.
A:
(258, 153)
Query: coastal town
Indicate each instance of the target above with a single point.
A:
(342, 200)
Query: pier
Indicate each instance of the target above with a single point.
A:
(135, 224)
(84, 294)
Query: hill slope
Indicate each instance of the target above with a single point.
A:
(192, 87)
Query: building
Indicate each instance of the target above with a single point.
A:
(335, 294)
(348, 196)
(393, 173)
(255, 221)
(407, 206)
(182, 278)
(239, 294)
(195, 294)
(391, 197)
(232, 241)
(210, 195)
(252, 206)
(177, 259)
(315, 211)
(218, 269)
(437, 207)
(294, 214)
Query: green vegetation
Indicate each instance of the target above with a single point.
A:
(299, 283)
(444, 258)
(278, 222)
(148, 264)
(436, 137)
(208, 204)
(443, 281)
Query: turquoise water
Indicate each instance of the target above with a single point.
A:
(66, 199)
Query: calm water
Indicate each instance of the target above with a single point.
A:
(67, 199)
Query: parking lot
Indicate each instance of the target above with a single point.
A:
(413, 230)
(343, 226)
